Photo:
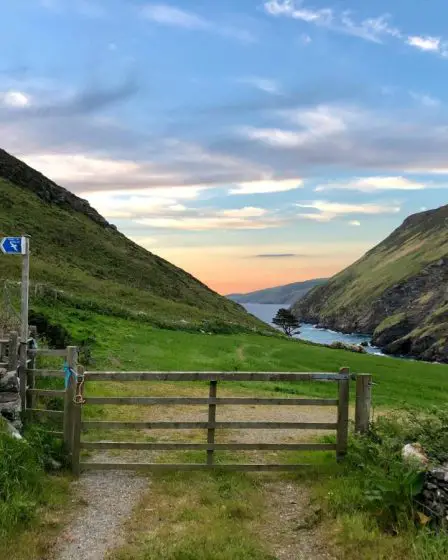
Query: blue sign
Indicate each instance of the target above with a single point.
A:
(13, 245)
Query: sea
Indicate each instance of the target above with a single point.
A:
(266, 312)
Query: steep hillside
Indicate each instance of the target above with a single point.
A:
(81, 261)
(397, 291)
(287, 294)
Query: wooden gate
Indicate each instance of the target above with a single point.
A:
(73, 424)
(80, 425)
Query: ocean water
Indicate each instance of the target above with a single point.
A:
(266, 313)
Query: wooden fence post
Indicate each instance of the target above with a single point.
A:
(31, 398)
(211, 420)
(23, 364)
(363, 403)
(76, 431)
(70, 390)
(13, 359)
(342, 423)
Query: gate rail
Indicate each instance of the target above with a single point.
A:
(73, 424)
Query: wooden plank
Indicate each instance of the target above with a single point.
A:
(211, 421)
(209, 376)
(46, 392)
(209, 401)
(48, 352)
(363, 403)
(44, 412)
(69, 396)
(342, 422)
(48, 373)
(205, 425)
(188, 467)
(208, 446)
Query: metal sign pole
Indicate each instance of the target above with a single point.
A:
(25, 288)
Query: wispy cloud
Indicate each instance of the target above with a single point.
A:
(266, 186)
(325, 211)
(372, 184)
(424, 43)
(276, 256)
(165, 14)
(425, 99)
(170, 15)
(263, 84)
(355, 223)
(371, 29)
(374, 29)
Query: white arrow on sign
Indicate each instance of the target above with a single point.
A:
(13, 245)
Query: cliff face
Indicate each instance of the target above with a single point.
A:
(398, 291)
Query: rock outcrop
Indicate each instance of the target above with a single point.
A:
(10, 405)
(19, 173)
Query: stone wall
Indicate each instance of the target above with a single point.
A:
(10, 405)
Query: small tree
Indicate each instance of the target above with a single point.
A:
(287, 322)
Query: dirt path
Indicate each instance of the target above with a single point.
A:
(110, 498)
(291, 523)
(287, 528)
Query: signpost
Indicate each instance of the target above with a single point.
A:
(20, 246)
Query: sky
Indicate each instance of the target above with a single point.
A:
(251, 142)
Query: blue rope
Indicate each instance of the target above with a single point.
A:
(68, 373)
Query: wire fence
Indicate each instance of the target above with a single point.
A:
(9, 306)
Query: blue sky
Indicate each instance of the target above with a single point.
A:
(252, 142)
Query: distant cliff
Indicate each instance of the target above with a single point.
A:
(281, 295)
(398, 291)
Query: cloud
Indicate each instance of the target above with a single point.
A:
(425, 99)
(170, 15)
(62, 104)
(267, 186)
(164, 14)
(316, 124)
(327, 211)
(374, 29)
(246, 212)
(372, 184)
(14, 99)
(209, 222)
(370, 29)
(263, 84)
(424, 43)
(276, 256)
(355, 223)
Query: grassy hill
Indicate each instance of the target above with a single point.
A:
(81, 261)
(397, 291)
(287, 294)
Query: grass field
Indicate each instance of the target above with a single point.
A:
(124, 345)
(225, 516)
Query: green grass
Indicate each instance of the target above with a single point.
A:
(127, 345)
(196, 516)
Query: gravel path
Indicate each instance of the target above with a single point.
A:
(291, 523)
(110, 499)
